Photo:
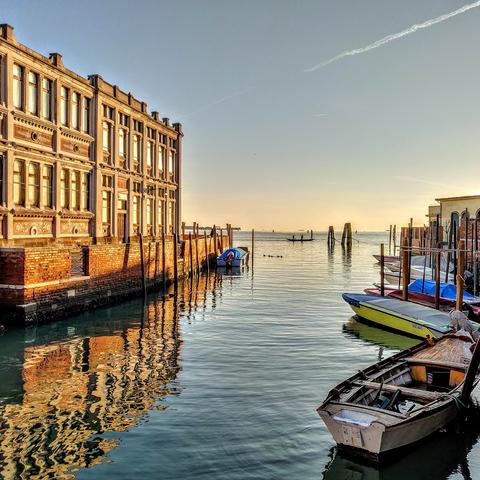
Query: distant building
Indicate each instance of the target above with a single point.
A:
(80, 160)
(457, 208)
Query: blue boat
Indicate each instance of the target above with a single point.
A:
(233, 257)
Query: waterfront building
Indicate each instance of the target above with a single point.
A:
(90, 191)
(457, 208)
(81, 161)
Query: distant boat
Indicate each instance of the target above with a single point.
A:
(403, 399)
(302, 239)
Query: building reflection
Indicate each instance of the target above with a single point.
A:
(104, 379)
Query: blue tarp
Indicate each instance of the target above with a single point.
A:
(237, 252)
(447, 290)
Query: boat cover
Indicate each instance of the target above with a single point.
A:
(447, 290)
(440, 321)
(237, 253)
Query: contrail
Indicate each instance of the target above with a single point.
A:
(395, 36)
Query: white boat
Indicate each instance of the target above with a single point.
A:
(233, 257)
(402, 399)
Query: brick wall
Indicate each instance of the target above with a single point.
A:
(36, 283)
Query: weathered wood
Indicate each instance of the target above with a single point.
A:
(190, 249)
(437, 277)
(405, 269)
(207, 266)
(215, 250)
(196, 255)
(164, 267)
(253, 245)
(472, 372)
(460, 274)
(390, 241)
(183, 230)
(382, 270)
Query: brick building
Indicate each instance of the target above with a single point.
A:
(85, 172)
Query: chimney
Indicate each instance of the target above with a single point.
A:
(7, 32)
(56, 59)
(178, 127)
(155, 116)
(166, 121)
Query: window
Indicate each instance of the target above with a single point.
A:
(171, 216)
(136, 212)
(85, 191)
(33, 93)
(149, 213)
(150, 154)
(34, 184)
(75, 191)
(106, 206)
(64, 188)
(64, 106)
(122, 147)
(123, 119)
(86, 115)
(108, 112)
(47, 182)
(47, 99)
(160, 160)
(137, 157)
(75, 111)
(18, 86)
(19, 182)
(107, 135)
(170, 164)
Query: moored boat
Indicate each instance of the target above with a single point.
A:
(387, 258)
(233, 257)
(405, 317)
(402, 399)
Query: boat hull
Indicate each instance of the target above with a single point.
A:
(394, 322)
(376, 440)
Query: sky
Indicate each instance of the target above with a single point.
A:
(282, 129)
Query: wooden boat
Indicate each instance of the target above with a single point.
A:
(387, 258)
(415, 273)
(293, 239)
(406, 317)
(428, 300)
(233, 257)
(402, 399)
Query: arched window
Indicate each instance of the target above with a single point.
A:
(454, 219)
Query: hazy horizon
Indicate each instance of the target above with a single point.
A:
(295, 114)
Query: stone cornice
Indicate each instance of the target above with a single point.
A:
(33, 121)
(32, 212)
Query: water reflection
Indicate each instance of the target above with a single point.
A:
(439, 457)
(65, 385)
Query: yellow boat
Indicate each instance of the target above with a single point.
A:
(409, 318)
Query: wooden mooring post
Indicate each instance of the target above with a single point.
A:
(390, 241)
(196, 254)
(175, 260)
(207, 260)
(405, 269)
(164, 267)
(190, 248)
(215, 240)
(382, 270)
(347, 235)
(438, 258)
(253, 245)
(331, 237)
(394, 234)
(460, 274)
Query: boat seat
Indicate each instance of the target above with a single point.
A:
(408, 392)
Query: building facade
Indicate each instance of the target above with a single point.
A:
(81, 161)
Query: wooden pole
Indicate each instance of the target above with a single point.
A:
(382, 270)
(175, 259)
(142, 265)
(394, 239)
(190, 248)
(471, 375)
(466, 239)
(405, 269)
(215, 241)
(207, 266)
(183, 230)
(253, 245)
(437, 278)
(475, 258)
(460, 274)
(221, 240)
(390, 241)
(196, 254)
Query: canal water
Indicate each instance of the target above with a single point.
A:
(218, 382)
